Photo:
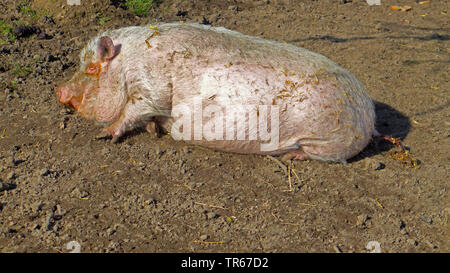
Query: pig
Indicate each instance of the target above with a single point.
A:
(142, 75)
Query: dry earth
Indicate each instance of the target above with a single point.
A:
(146, 194)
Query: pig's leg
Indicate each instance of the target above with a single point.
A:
(135, 113)
(295, 155)
(154, 128)
(294, 152)
(307, 152)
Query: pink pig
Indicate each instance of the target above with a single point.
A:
(135, 76)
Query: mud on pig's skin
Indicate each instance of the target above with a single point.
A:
(133, 76)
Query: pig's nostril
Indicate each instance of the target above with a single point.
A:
(63, 94)
(58, 93)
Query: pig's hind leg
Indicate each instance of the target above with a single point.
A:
(295, 155)
(311, 152)
(294, 152)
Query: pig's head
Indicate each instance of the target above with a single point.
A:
(92, 89)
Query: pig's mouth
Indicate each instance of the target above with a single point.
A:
(75, 102)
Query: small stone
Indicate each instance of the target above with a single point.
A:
(361, 220)
(211, 215)
(159, 152)
(50, 222)
(427, 219)
(58, 211)
(11, 176)
(62, 125)
(37, 206)
(204, 237)
(430, 244)
(6, 187)
(66, 111)
(111, 231)
(205, 21)
(412, 242)
(77, 193)
(372, 164)
(25, 31)
(47, 20)
(84, 194)
(44, 172)
(337, 249)
(379, 27)
(181, 13)
(43, 36)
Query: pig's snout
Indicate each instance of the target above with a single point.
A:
(66, 95)
(63, 94)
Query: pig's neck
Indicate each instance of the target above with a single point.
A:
(145, 80)
(111, 97)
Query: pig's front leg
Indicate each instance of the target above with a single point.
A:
(135, 114)
(154, 128)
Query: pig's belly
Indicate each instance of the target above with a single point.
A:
(256, 109)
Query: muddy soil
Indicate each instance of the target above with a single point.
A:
(148, 194)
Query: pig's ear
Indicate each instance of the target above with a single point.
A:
(106, 49)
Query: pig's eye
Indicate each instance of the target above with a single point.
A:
(93, 69)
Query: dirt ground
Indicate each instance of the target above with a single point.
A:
(148, 194)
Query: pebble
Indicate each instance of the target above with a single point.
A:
(430, 244)
(181, 13)
(24, 31)
(211, 215)
(337, 249)
(427, 219)
(11, 176)
(77, 193)
(362, 219)
(159, 152)
(6, 187)
(372, 164)
(37, 206)
(204, 237)
(58, 212)
(412, 242)
(44, 172)
(111, 231)
(50, 222)
(380, 27)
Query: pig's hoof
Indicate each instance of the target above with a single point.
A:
(115, 139)
(103, 135)
(154, 129)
